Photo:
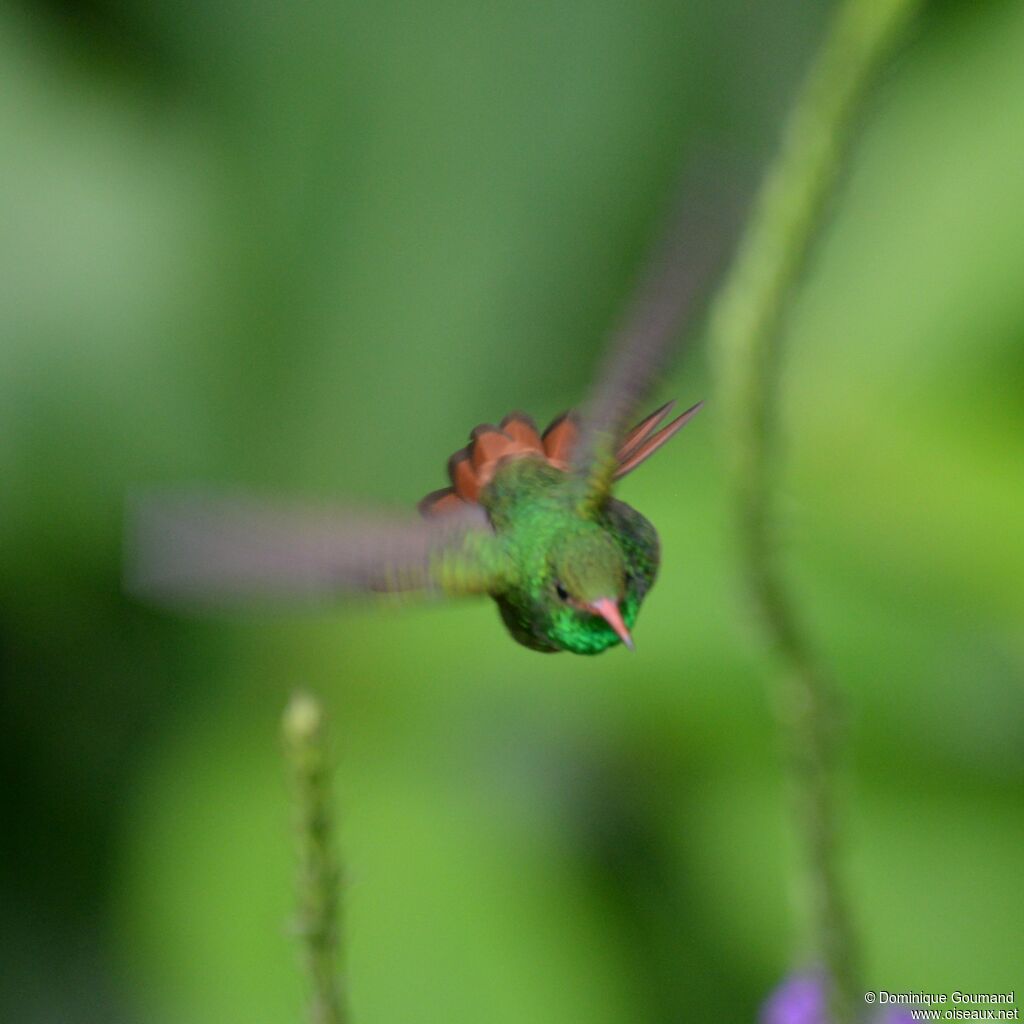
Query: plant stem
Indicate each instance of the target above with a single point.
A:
(746, 325)
(318, 876)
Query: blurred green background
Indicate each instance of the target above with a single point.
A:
(304, 249)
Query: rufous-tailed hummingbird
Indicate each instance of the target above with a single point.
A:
(529, 519)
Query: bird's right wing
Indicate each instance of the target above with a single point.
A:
(202, 550)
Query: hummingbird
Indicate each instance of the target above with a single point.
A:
(528, 518)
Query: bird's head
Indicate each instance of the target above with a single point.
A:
(583, 601)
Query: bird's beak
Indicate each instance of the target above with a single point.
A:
(609, 611)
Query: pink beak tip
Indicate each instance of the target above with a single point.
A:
(609, 611)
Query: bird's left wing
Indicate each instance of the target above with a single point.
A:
(692, 250)
(203, 550)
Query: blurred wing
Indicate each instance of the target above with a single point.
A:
(679, 273)
(213, 550)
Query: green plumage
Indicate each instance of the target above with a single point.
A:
(554, 560)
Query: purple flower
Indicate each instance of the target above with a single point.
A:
(801, 999)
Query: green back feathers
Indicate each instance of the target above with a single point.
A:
(558, 561)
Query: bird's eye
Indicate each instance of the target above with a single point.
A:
(561, 592)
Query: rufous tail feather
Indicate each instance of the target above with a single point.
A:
(472, 468)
